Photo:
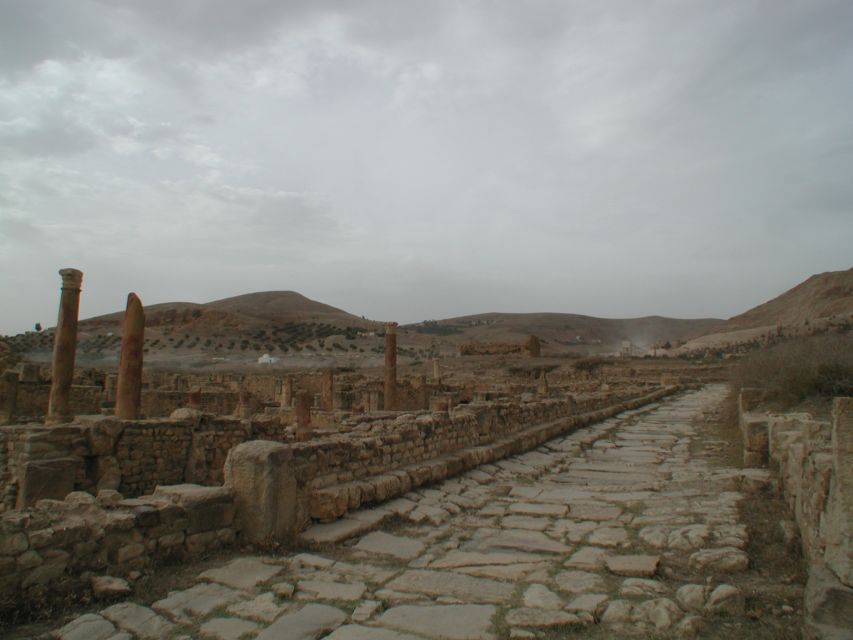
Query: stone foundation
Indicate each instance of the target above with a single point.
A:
(814, 460)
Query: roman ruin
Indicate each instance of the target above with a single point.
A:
(511, 484)
(129, 383)
(65, 347)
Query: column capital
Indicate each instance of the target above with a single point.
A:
(71, 278)
(390, 327)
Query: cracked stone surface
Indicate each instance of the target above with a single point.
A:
(616, 526)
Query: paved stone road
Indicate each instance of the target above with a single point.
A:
(614, 528)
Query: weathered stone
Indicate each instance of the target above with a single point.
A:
(87, 627)
(140, 621)
(455, 622)
(328, 590)
(227, 628)
(365, 610)
(538, 596)
(207, 508)
(386, 544)
(691, 597)
(263, 608)
(633, 565)
(46, 480)
(309, 623)
(539, 618)
(64, 348)
(466, 588)
(587, 559)
(129, 386)
(357, 632)
(727, 599)
(663, 613)
(642, 587)
(198, 600)
(725, 559)
(591, 603)
(107, 587)
(578, 581)
(242, 573)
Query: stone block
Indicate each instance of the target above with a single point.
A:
(261, 477)
(45, 479)
(828, 605)
(207, 508)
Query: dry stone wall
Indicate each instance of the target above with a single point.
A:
(814, 460)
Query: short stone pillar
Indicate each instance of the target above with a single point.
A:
(10, 397)
(110, 386)
(246, 404)
(390, 366)
(327, 391)
(30, 372)
(287, 393)
(303, 416)
(64, 348)
(436, 370)
(194, 399)
(129, 386)
(542, 389)
(533, 347)
(265, 491)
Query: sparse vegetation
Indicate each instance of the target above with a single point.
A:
(796, 371)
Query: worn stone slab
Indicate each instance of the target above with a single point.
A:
(475, 558)
(538, 596)
(440, 583)
(533, 541)
(540, 618)
(587, 559)
(242, 573)
(140, 621)
(227, 628)
(264, 608)
(198, 600)
(309, 623)
(608, 537)
(642, 588)
(505, 572)
(386, 544)
(538, 509)
(579, 581)
(335, 532)
(455, 622)
(725, 559)
(641, 566)
(591, 603)
(326, 590)
(358, 632)
(89, 626)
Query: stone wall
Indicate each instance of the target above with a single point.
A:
(158, 403)
(51, 549)
(31, 400)
(814, 460)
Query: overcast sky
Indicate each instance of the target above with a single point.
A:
(409, 159)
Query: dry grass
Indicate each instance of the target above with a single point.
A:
(808, 370)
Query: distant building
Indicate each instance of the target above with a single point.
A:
(267, 359)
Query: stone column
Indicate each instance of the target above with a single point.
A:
(543, 384)
(287, 393)
(110, 385)
(64, 348)
(436, 370)
(327, 391)
(10, 392)
(303, 416)
(390, 366)
(194, 398)
(129, 386)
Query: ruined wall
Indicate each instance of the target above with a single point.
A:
(50, 550)
(31, 399)
(157, 403)
(814, 460)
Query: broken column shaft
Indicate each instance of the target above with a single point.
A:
(390, 366)
(129, 387)
(64, 348)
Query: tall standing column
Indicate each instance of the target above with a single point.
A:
(390, 366)
(129, 388)
(287, 393)
(303, 416)
(327, 391)
(64, 347)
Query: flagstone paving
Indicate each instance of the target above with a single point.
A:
(616, 529)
